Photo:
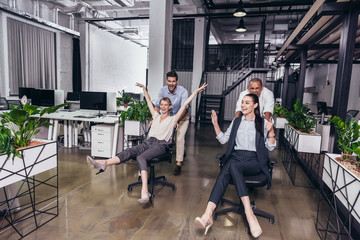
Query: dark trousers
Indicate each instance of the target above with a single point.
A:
(143, 152)
(241, 163)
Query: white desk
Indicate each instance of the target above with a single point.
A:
(71, 127)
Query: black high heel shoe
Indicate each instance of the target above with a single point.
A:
(93, 164)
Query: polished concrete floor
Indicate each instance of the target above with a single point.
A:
(100, 207)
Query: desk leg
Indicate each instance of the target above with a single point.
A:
(55, 131)
(65, 133)
(116, 132)
(76, 133)
(50, 130)
(70, 132)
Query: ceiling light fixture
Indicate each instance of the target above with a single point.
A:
(240, 11)
(241, 27)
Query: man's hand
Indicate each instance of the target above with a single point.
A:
(269, 126)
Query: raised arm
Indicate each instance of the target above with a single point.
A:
(147, 98)
(190, 98)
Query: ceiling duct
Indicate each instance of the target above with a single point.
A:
(125, 3)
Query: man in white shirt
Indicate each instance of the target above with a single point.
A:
(266, 99)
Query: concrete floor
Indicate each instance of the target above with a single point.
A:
(100, 207)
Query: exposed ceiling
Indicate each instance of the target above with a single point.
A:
(281, 17)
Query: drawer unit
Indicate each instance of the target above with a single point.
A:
(102, 140)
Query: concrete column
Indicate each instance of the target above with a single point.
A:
(160, 44)
(84, 55)
(4, 63)
(199, 58)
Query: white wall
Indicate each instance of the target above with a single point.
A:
(323, 76)
(115, 63)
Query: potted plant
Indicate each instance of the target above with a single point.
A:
(134, 118)
(341, 173)
(298, 132)
(125, 98)
(280, 114)
(18, 126)
(118, 101)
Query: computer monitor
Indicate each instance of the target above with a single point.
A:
(43, 97)
(322, 108)
(25, 91)
(73, 96)
(93, 101)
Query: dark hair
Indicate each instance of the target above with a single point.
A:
(166, 99)
(259, 124)
(172, 74)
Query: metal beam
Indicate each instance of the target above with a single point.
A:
(285, 85)
(320, 47)
(300, 26)
(335, 8)
(344, 70)
(261, 45)
(301, 84)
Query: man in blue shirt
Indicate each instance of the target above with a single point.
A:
(178, 95)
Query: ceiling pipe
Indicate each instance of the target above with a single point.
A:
(211, 6)
(210, 15)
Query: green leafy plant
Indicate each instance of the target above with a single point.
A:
(18, 126)
(280, 111)
(118, 101)
(138, 111)
(124, 97)
(348, 133)
(300, 119)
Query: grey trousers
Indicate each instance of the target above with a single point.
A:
(143, 152)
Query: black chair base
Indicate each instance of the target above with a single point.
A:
(239, 209)
(153, 181)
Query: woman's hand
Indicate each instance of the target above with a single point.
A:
(202, 88)
(140, 85)
(214, 118)
(269, 126)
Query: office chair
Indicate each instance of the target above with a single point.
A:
(3, 104)
(255, 181)
(351, 114)
(152, 180)
(15, 103)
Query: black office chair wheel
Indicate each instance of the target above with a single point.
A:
(215, 217)
(174, 188)
(272, 220)
(139, 178)
(129, 189)
(222, 202)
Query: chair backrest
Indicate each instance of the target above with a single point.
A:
(351, 114)
(166, 157)
(15, 103)
(3, 104)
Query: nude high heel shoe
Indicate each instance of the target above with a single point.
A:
(93, 164)
(199, 223)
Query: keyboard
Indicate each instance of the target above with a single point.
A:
(81, 116)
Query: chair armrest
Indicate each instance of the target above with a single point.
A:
(272, 161)
(220, 155)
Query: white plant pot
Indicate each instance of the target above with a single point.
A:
(37, 159)
(134, 128)
(343, 183)
(302, 142)
(280, 122)
(324, 131)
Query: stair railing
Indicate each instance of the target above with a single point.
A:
(198, 97)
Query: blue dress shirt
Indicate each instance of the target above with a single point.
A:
(177, 99)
